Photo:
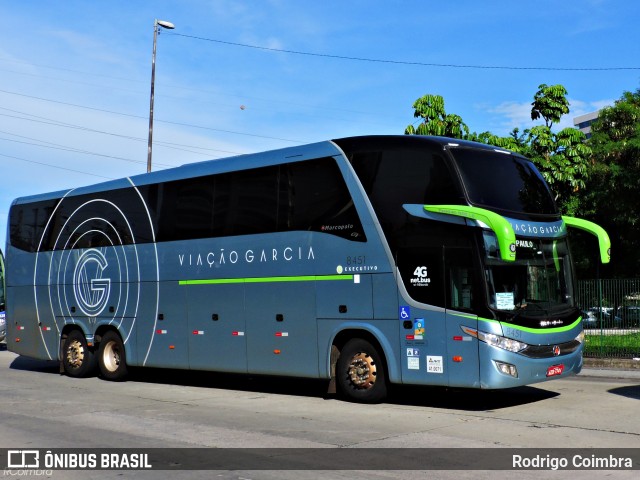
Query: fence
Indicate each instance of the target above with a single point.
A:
(611, 317)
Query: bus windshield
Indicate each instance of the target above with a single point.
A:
(538, 283)
(509, 182)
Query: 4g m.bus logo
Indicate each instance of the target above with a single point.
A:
(420, 277)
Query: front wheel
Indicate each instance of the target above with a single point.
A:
(361, 373)
(111, 357)
(77, 359)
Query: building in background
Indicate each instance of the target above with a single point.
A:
(583, 122)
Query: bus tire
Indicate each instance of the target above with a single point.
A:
(111, 357)
(77, 359)
(360, 372)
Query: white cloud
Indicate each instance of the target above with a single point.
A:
(512, 115)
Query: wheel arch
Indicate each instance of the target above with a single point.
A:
(102, 329)
(66, 330)
(371, 334)
(86, 366)
(112, 362)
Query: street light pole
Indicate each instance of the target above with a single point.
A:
(169, 26)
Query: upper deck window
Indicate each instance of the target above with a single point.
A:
(309, 195)
(503, 182)
(395, 175)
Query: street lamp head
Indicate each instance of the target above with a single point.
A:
(165, 24)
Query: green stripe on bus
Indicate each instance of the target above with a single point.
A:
(305, 278)
(541, 331)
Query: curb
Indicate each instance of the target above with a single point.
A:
(612, 363)
(611, 368)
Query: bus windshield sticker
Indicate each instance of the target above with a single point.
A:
(504, 301)
(434, 364)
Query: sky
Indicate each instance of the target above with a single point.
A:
(238, 77)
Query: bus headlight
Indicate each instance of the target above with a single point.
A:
(502, 342)
(580, 337)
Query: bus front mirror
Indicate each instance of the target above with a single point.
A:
(500, 225)
(604, 243)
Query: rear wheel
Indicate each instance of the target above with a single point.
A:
(77, 359)
(111, 357)
(361, 373)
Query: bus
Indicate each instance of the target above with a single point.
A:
(364, 261)
(3, 320)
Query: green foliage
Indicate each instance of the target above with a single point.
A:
(611, 345)
(562, 157)
(612, 194)
(435, 121)
(563, 160)
(550, 103)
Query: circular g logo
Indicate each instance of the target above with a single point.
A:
(89, 287)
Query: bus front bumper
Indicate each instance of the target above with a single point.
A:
(503, 369)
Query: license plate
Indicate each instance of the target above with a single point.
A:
(555, 370)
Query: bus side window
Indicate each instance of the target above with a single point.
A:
(460, 279)
(316, 198)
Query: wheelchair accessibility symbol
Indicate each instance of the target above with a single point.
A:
(405, 313)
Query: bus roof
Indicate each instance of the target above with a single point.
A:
(325, 148)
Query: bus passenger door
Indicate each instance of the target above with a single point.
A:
(217, 331)
(462, 284)
(423, 343)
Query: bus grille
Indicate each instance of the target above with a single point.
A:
(549, 351)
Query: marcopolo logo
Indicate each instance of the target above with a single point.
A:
(90, 288)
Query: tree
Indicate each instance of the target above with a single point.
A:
(550, 103)
(561, 157)
(563, 160)
(435, 120)
(612, 194)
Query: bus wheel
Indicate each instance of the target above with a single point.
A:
(361, 373)
(111, 357)
(77, 359)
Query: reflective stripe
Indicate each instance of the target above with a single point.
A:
(306, 278)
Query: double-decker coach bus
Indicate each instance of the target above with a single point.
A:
(364, 261)
(3, 324)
